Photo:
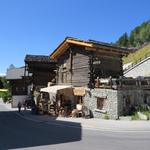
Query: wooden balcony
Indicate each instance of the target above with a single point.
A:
(122, 83)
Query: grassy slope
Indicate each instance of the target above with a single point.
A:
(134, 57)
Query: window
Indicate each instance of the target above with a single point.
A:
(64, 65)
(17, 89)
(100, 103)
(64, 77)
(145, 99)
(79, 99)
(23, 89)
(127, 100)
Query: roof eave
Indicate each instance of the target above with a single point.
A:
(65, 45)
(89, 46)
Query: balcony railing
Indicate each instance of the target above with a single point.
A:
(113, 83)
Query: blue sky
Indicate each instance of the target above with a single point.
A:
(38, 26)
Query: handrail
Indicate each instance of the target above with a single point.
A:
(136, 62)
(115, 83)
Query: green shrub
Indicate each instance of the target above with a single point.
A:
(137, 55)
(143, 108)
(135, 116)
(106, 117)
(1, 94)
(6, 96)
(147, 113)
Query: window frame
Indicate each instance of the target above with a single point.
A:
(100, 103)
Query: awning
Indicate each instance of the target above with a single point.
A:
(79, 91)
(54, 89)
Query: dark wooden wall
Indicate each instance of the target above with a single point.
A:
(74, 66)
(42, 73)
(18, 87)
(80, 67)
(64, 69)
(41, 78)
(109, 65)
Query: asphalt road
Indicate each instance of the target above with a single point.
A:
(19, 133)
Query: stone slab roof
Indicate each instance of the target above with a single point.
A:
(15, 73)
(38, 58)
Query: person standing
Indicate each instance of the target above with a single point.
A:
(19, 107)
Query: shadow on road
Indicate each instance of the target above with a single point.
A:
(17, 132)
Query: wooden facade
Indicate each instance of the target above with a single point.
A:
(41, 69)
(17, 80)
(18, 87)
(81, 62)
(73, 67)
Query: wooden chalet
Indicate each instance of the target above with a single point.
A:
(19, 86)
(81, 62)
(41, 68)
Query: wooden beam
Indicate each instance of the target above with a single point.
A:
(60, 50)
(88, 46)
(100, 50)
(79, 43)
(65, 45)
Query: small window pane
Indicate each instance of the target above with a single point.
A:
(100, 103)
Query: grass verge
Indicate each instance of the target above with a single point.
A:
(138, 55)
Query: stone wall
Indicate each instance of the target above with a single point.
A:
(136, 97)
(110, 105)
(117, 102)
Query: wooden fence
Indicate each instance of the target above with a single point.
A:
(113, 83)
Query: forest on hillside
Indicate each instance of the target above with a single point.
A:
(139, 36)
